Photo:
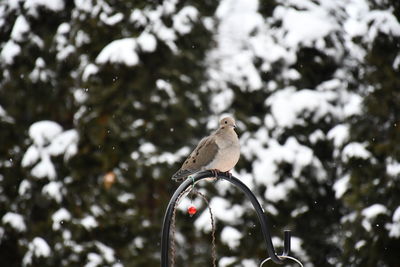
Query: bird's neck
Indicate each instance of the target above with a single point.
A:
(229, 131)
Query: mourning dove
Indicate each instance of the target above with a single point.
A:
(219, 152)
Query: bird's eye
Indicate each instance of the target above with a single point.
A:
(226, 122)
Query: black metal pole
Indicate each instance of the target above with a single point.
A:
(260, 214)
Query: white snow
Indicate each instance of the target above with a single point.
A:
(120, 51)
(147, 42)
(107, 252)
(90, 69)
(182, 21)
(80, 95)
(341, 186)
(38, 73)
(232, 59)
(43, 132)
(15, 220)
(64, 53)
(96, 210)
(291, 152)
(147, 148)
(396, 215)
(59, 216)
(299, 211)
(48, 140)
(84, 5)
(382, 21)
(63, 28)
(339, 134)
(392, 167)
(9, 52)
(139, 242)
(4, 116)
(125, 197)
(44, 168)
(363, 22)
(89, 222)
(316, 136)
(24, 186)
(394, 228)
(374, 210)
(111, 20)
(54, 190)
(165, 86)
(81, 38)
(249, 263)
(291, 74)
(304, 26)
(32, 5)
(360, 244)
(31, 156)
(226, 261)
(223, 210)
(280, 191)
(396, 62)
(137, 17)
(66, 142)
(2, 112)
(152, 21)
(288, 106)
(2, 16)
(20, 29)
(355, 150)
(349, 218)
(267, 157)
(168, 6)
(296, 246)
(353, 105)
(137, 123)
(231, 237)
(167, 35)
(38, 247)
(93, 259)
(222, 100)
(370, 213)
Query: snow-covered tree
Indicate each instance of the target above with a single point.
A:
(305, 73)
(93, 96)
(100, 101)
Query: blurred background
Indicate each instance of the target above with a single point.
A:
(102, 100)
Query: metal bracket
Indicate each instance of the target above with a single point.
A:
(279, 259)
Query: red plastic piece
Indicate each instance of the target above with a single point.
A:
(192, 210)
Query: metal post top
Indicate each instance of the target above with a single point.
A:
(279, 259)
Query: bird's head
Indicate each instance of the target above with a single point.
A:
(227, 122)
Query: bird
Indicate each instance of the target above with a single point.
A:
(219, 151)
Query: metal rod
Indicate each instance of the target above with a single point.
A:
(260, 214)
(286, 243)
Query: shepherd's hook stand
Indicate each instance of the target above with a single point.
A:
(165, 242)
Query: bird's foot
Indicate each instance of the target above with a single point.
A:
(228, 173)
(215, 173)
(213, 178)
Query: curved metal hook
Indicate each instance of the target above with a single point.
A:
(260, 214)
(283, 257)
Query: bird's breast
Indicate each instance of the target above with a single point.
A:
(226, 158)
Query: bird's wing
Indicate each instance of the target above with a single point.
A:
(201, 156)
